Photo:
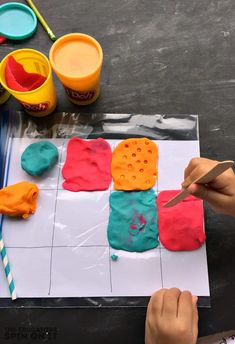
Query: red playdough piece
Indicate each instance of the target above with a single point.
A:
(181, 228)
(18, 79)
(88, 165)
(2, 39)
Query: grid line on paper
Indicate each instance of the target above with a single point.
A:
(111, 189)
(161, 266)
(55, 207)
(58, 246)
(110, 272)
(71, 246)
(110, 267)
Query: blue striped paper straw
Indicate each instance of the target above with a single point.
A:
(7, 268)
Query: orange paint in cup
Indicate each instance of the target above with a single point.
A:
(77, 60)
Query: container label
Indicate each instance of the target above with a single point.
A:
(79, 95)
(41, 107)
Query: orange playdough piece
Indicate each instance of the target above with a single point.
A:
(134, 164)
(19, 199)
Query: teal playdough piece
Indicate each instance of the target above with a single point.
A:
(39, 157)
(133, 221)
(114, 257)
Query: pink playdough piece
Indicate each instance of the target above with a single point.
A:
(88, 165)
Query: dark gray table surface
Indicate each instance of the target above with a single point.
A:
(160, 56)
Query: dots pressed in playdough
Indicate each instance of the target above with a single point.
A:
(88, 165)
(19, 199)
(181, 228)
(39, 157)
(133, 221)
(138, 162)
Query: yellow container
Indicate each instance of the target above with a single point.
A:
(77, 59)
(4, 95)
(41, 101)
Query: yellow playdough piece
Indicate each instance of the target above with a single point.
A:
(19, 199)
(134, 164)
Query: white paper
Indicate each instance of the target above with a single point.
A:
(63, 251)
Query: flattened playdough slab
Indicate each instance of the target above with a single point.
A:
(133, 221)
(181, 228)
(39, 157)
(134, 164)
(19, 199)
(87, 165)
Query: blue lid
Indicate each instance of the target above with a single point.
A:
(17, 21)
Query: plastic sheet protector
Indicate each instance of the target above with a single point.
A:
(60, 256)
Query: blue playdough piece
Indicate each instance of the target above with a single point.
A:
(133, 221)
(39, 157)
(17, 21)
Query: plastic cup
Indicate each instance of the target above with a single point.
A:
(41, 101)
(77, 59)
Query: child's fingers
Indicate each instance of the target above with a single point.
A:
(220, 182)
(185, 307)
(198, 190)
(170, 303)
(153, 316)
(198, 166)
(215, 198)
(195, 317)
(196, 173)
(156, 302)
(224, 180)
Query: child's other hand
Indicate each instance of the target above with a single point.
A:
(172, 318)
(220, 193)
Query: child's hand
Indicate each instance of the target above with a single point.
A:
(220, 193)
(172, 318)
